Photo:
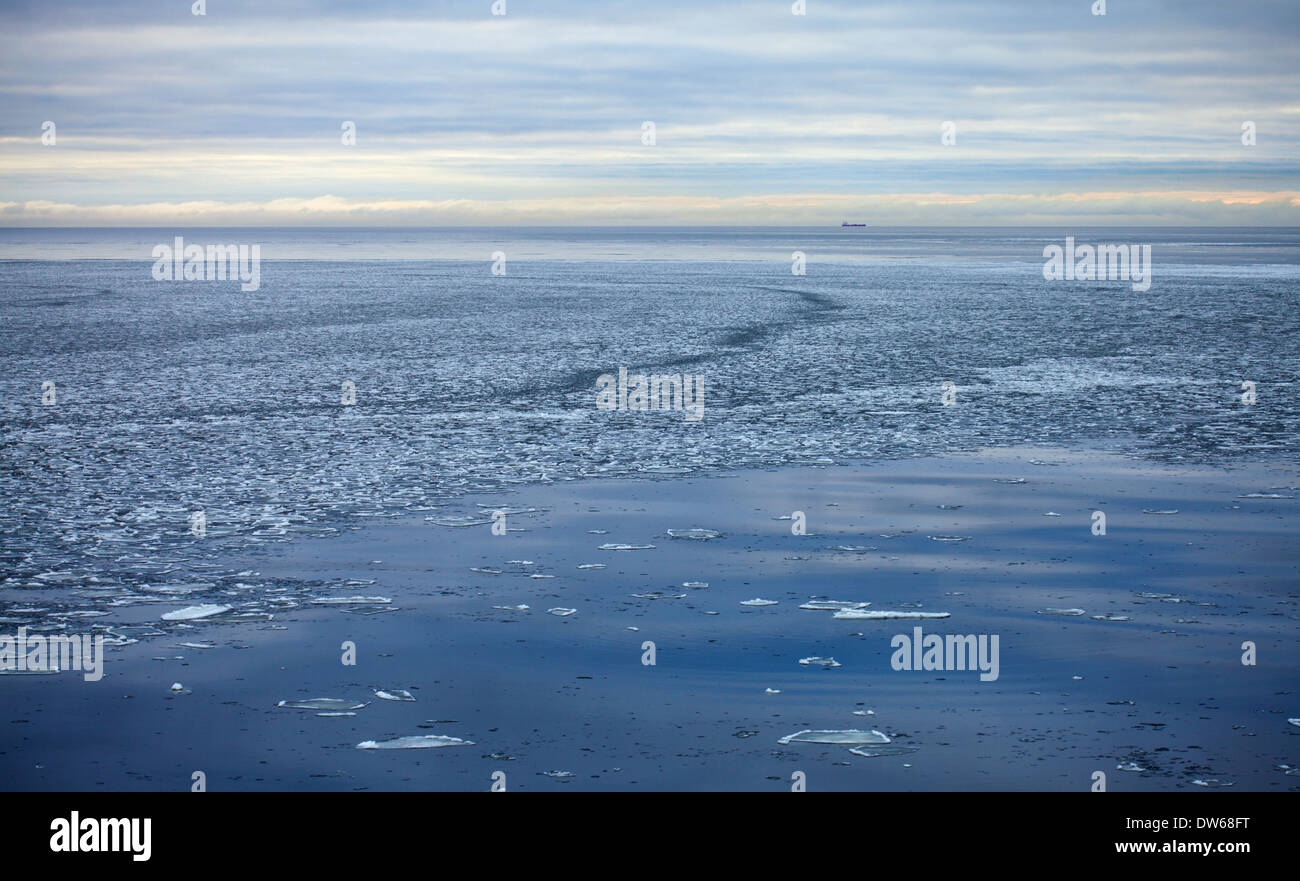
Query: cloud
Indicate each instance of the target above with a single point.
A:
(545, 106)
(1177, 208)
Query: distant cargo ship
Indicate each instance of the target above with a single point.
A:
(846, 223)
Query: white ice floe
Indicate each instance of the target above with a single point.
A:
(1067, 612)
(329, 704)
(191, 613)
(1159, 511)
(393, 694)
(1129, 766)
(948, 537)
(695, 585)
(877, 753)
(457, 521)
(819, 662)
(591, 566)
(350, 601)
(884, 615)
(758, 602)
(623, 547)
(771, 691)
(694, 534)
(418, 741)
(832, 605)
(848, 735)
(519, 608)
(1110, 617)
(560, 612)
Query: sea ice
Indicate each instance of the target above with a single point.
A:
(191, 613)
(417, 741)
(694, 534)
(350, 601)
(849, 735)
(819, 662)
(882, 615)
(330, 704)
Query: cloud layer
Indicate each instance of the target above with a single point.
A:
(760, 116)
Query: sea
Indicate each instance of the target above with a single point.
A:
(378, 373)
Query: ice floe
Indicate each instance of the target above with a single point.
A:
(884, 614)
(416, 741)
(885, 752)
(819, 662)
(193, 613)
(350, 601)
(848, 735)
(694, 534)
(329, 704)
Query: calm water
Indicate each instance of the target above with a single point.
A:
(179, 397)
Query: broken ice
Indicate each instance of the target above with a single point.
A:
(418, 741)
(819, 662)
(694, 534)
(330, 704)
(884, 614)
(191, 613)
(849, 735)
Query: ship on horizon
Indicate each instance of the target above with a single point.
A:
(846, 223)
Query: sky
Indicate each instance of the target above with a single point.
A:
(537, 117)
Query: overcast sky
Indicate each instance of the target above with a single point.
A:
(761, 117)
